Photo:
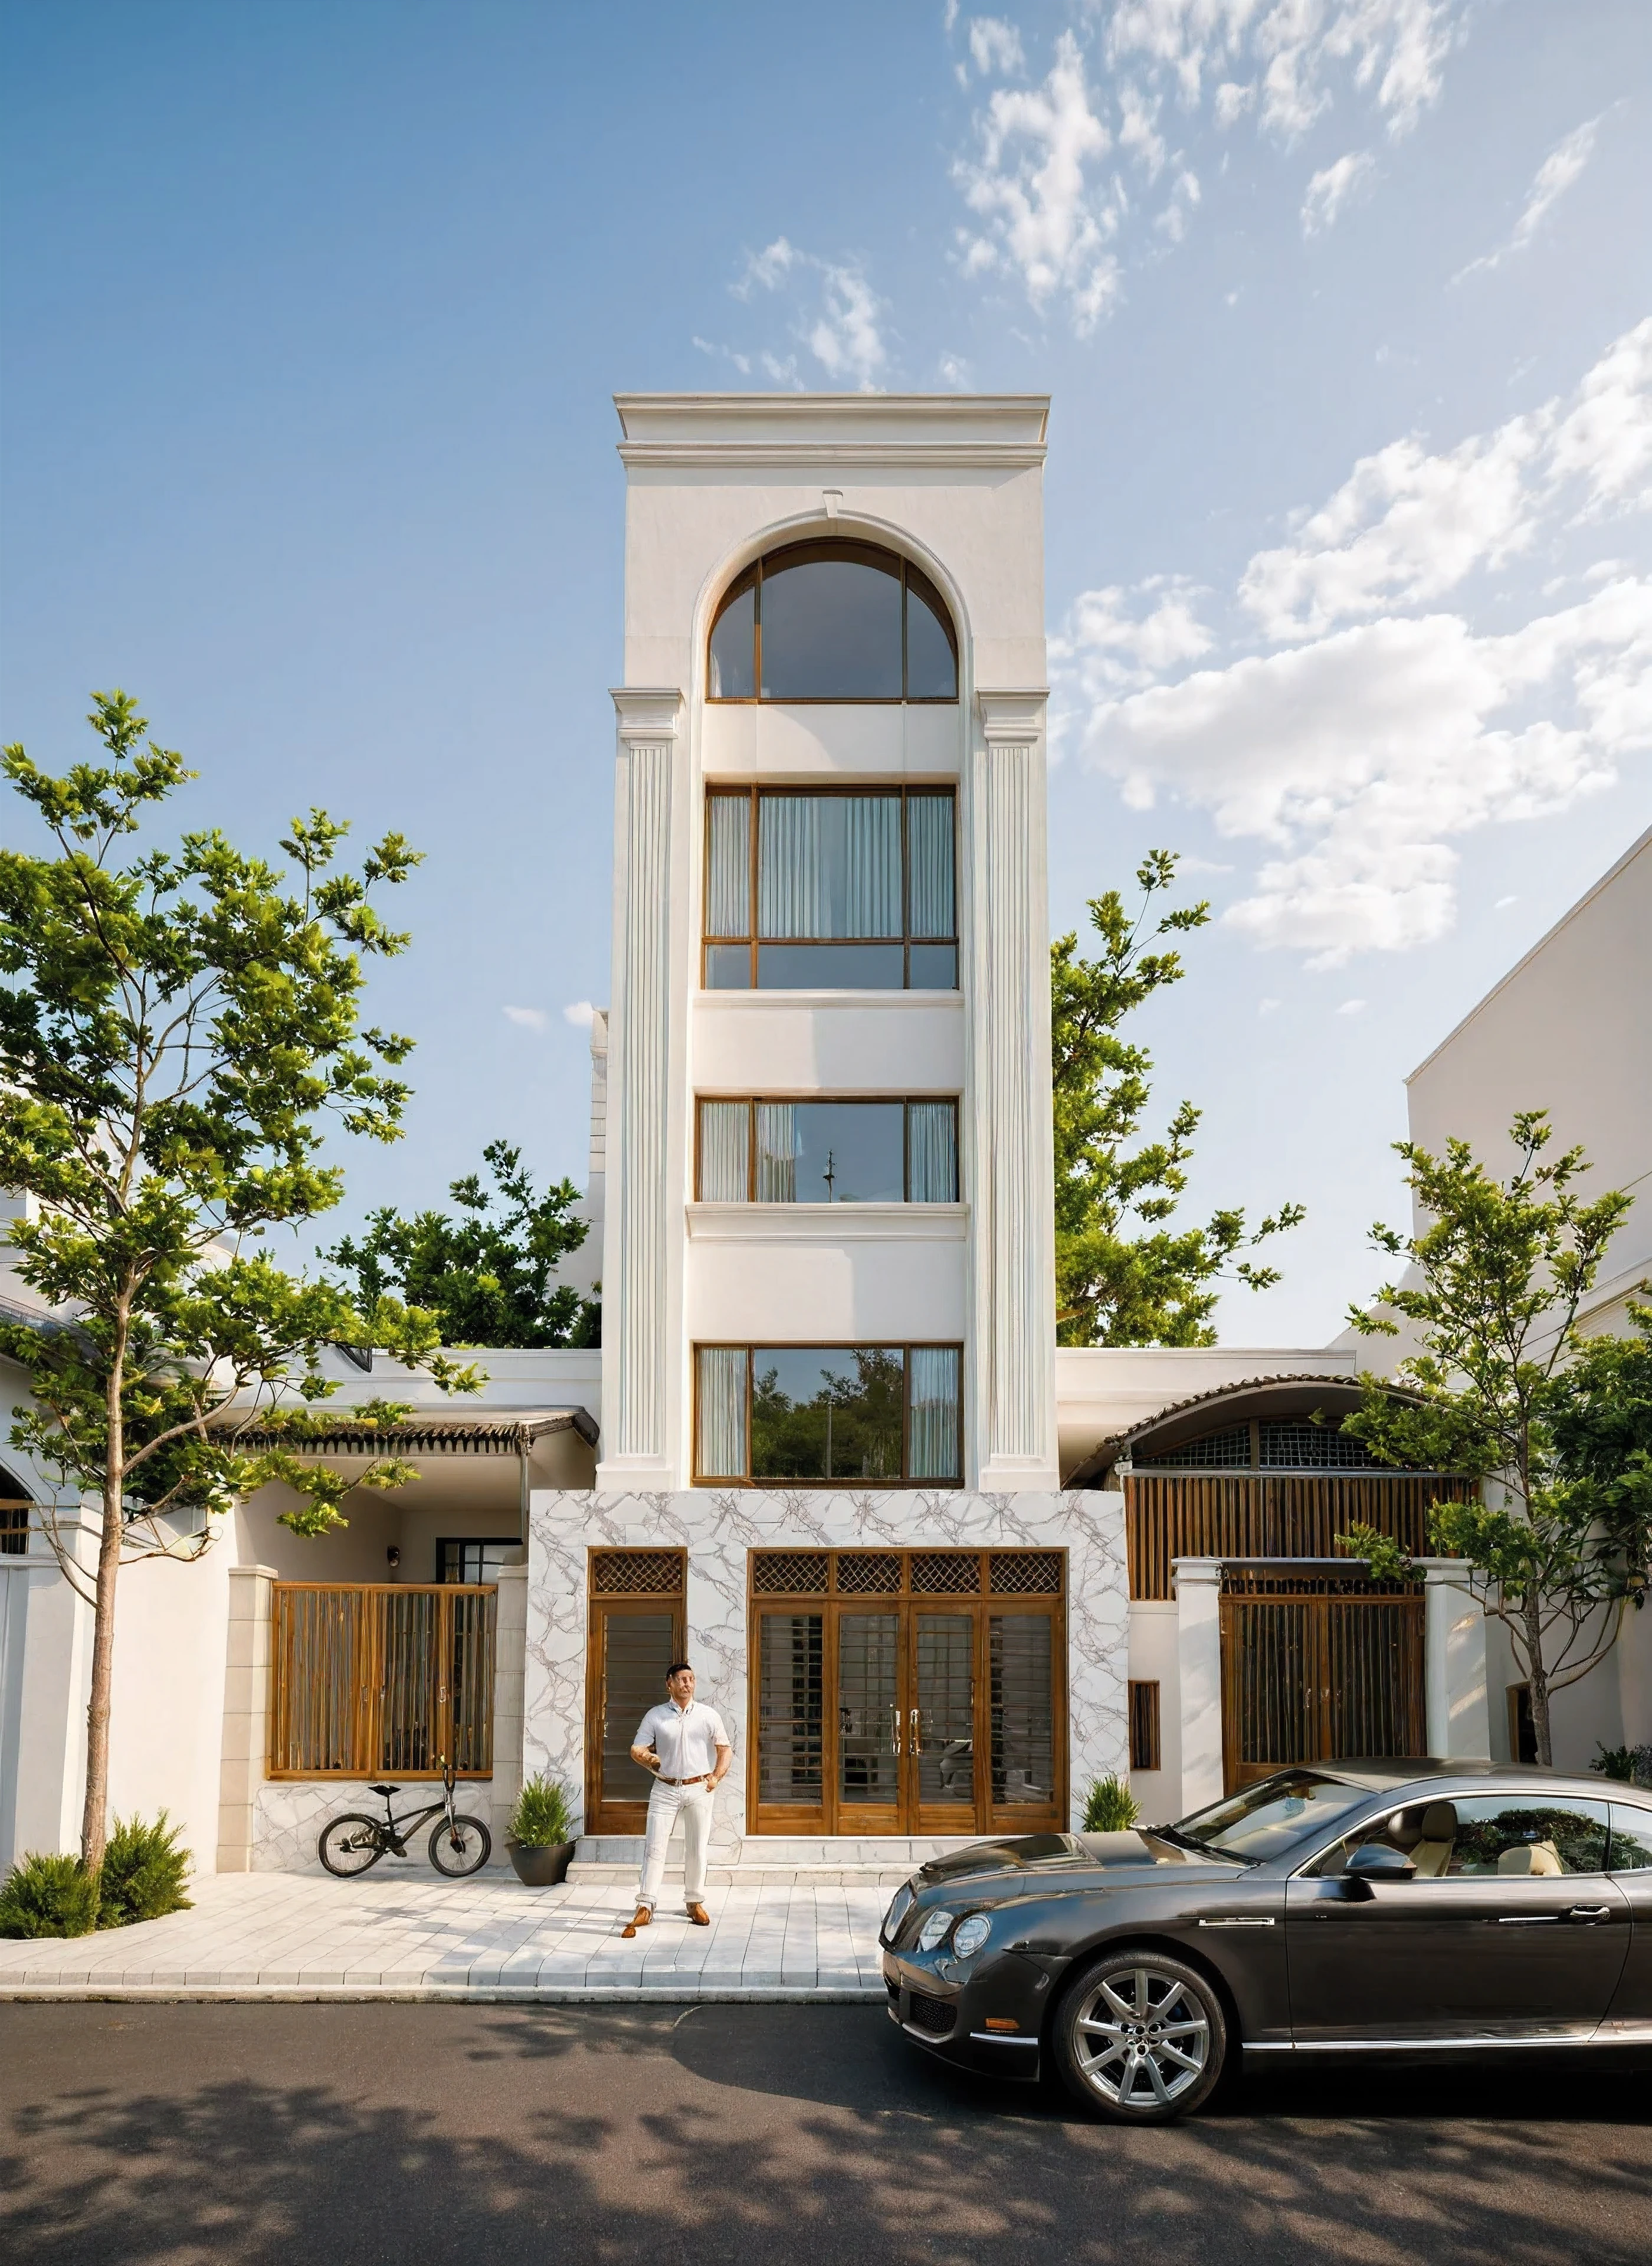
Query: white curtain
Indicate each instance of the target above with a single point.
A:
(776, 1152)
(931, 1152)
(932, 1429)
(929, 831)
(828, 865)
(870, 864)
(729, 866)
(722, 1411)
(791, 897)
(725, 1151)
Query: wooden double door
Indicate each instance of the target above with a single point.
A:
(1315, 1667)
(906, 1713)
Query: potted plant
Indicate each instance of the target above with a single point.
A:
(1109, 1806)
(540, 1835)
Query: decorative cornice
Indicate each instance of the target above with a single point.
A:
(765, 430)
(783, 1223)
(648, 713)
(1012, 717)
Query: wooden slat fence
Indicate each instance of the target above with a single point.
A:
(376, 1679)
(1173, 1515)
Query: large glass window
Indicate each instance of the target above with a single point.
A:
(842, 1415)
(828, 1152)
(831, 892)
(832, 621)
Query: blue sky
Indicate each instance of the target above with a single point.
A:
(311, 318)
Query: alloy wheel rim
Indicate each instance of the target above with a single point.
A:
(1140, 2038)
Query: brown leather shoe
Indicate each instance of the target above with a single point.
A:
(640, 1918)
(700, 1917)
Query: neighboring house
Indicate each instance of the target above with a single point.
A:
(937, 1574)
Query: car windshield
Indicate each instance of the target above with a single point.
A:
(1273, 1815)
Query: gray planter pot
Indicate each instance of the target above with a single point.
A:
(541, 1869)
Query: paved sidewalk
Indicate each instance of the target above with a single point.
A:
(404, 1935)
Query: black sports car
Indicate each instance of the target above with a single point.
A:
(1340, 1907)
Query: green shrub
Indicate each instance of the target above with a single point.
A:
(49, 1895)
(144, 1869)
(1109, 1807)
(1630, 1766)
(543, 1816)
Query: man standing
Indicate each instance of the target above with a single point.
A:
(683, 1744)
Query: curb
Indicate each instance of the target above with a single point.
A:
(452, 1993)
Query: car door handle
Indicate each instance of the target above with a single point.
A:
(1586, 1915)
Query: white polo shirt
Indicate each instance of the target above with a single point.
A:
(686, 1739)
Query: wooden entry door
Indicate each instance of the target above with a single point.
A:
(1318, 1667)
(634, 1632)
(900, 1692)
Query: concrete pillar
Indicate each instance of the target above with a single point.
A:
(509, 1660)
(1198, 1582)
(49, 1781)
(1459, 1717)
(247, 1702)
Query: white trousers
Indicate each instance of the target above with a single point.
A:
(666, 1804)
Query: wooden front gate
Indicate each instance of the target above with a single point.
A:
(1317, 1664)
(381, 1678)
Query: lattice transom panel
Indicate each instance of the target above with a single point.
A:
(868, 1573)
(945, 1572)
(1024, 1573)
(789, 1573)
(636, 1573)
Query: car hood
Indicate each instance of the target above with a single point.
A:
(1053, 1854)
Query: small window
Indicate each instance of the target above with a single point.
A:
(1523, 1730)
(832, 621)
(1501, 1836)
(828, 1152)
(859, 1415)
(1144, 1704)
(1631, 1838)
(841, 891)
(476, 1561)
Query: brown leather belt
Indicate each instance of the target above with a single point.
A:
(705, 1779)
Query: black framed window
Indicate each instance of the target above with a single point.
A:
(866, 1415)
(832, 621)
(479, 1560)
(841, 890)
(827, 1151)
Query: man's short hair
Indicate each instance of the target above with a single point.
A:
(676, 1668)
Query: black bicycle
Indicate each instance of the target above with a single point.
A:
(459, 1846)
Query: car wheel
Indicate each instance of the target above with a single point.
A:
(1140, 2037)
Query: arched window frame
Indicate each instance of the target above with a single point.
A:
(878, 557)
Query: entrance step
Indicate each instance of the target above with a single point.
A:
(768, 1860)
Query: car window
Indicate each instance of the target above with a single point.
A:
(1274, 1814)
(1502, 1835)
(1631, 1838)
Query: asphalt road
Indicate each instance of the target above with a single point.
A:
(737, 2135)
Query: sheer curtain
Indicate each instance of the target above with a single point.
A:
(725, 1151)
(776, 1152)
(932, 1430)
(791, 898)
(929, 833)
(729, 866)
(931, 1152)
(871, 895)
(828, 865)
(722, 1411)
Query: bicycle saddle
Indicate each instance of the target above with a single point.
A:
(386, 1790)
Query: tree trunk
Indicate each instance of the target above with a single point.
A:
(1538, 1680)
(94, 1822)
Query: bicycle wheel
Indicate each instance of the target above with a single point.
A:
(461, 1848)
(350, 1845)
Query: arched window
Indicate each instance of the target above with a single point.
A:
(14, 1515)
(832, 621)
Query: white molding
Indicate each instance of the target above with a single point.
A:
(782, 1224)
(878, 1002)
(1013, 717)
(648, 714)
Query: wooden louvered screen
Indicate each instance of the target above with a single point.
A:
(1270, 1515)
(1329, 1668)
(376, 1679)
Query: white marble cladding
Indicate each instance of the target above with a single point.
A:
(717, 1528)
(289, 1814)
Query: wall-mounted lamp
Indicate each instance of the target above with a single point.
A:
(392, 1556)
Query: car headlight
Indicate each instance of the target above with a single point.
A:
(933, 1930)
(899, 1907)
(972, 1933)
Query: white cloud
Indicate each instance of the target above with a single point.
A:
(580, 1012)
(1114, 640)
(845, 337)
(1268, 1006)
(995, 47)
(956, 371)
(1503, 903)
(767, 269)
(529, 1019)
(1184, 198)
(1352, 1007)
(1564, 166)
(841, 328)
(1329, 190)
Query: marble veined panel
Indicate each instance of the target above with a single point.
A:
(717, 1527)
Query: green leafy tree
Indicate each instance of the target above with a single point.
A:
(175, 1034)
(1504, 1390)
(489, 1275)
(1124, 1275)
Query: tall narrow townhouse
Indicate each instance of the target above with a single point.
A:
(829, 1469)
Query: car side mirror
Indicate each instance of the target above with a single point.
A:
(1376, 1861)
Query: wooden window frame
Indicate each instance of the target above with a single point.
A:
(367, 1710)
(905, 1346)
(749, 1103)
(880, 560)
(1145, 1723)
(754, 942)
(600, 1606)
